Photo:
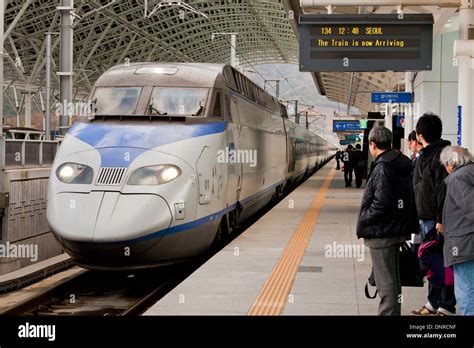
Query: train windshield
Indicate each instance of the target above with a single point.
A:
(116, 100)
(178, 101)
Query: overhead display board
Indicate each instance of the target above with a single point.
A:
(377, 42)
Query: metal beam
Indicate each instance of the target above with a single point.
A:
(66, 58)
(265, 30)
(2, 40)
(15, 52)
(350, 93)
(47, 127)
(40, 61)
(96, 45)
(17, 18)
(125, 51)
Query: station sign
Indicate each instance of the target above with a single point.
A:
(348, 126)
(360, 42)
(346, 142)
(459, 124)
(354, 137)
(392, 97)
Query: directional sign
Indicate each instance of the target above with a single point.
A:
(354, 137)
(348, 126)
(360, 42)
(392, 97)
(346, 142)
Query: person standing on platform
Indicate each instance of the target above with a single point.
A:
(415, 147)
(387, 217)
(338, 158)
(358, 165)
(347, 159)
(430, 192)
(458, 222)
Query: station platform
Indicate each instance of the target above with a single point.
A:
(301, 258)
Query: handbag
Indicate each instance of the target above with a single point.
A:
(370, 281)
(410, 272)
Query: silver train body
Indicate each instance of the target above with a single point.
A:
(176, 156)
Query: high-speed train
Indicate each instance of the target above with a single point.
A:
(174, 157)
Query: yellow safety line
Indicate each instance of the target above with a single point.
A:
(273, 296)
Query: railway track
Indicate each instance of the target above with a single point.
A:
(104, 293)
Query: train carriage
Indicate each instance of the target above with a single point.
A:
(175, 156)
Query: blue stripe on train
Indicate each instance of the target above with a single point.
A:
(120, 144)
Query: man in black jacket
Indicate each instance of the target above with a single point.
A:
(347, 159)
(387, 217)
(359, 165)
(430, 192)
(338, 158)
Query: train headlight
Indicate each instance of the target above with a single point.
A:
(75, 173)
(154, 175)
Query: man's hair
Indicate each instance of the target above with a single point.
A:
(412, 136)
(430, 126)
(358, 147)
(349, 147)
(381, 137)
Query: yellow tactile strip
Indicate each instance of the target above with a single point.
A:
(273, 296)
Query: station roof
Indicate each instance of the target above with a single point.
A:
(107, 35)
(129, 29)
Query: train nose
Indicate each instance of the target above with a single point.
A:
(107, 217)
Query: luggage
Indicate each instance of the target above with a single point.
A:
(410, 271)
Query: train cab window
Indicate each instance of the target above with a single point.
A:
(178, 101)
(116, 100)
(217, 108)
